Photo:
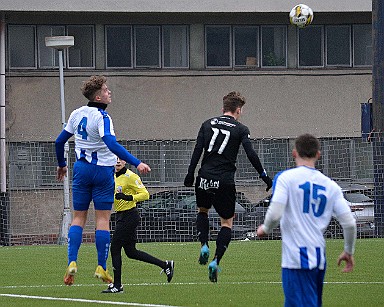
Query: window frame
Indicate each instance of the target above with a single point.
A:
(285, 27)
(322, 48)
(230, 47)
(327, 27)
(162, 43)
(106, 46)
(158, 46)
(34, 27)
(353, 47)
(258, 46)
(93, 47)
(54, 52)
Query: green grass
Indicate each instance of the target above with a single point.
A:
(250, 276)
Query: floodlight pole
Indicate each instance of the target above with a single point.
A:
(60, 43)
(378, 112)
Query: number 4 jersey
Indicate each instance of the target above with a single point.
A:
(89, 125)
(311, 200)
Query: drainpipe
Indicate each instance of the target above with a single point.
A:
(2, 107)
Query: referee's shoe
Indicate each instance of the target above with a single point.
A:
(169, 268)
(113, 289)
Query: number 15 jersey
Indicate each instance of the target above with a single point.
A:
(311, 199)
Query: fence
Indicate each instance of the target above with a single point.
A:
(31, 211)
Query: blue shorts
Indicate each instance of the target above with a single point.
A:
(92, 182)
(303, 287)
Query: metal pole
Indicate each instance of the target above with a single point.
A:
(66, 212)
(2, 108)
(378, 111)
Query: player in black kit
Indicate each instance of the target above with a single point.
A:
(220, 139)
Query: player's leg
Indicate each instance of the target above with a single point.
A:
(103, 197)
(130, 223)
(116, 246)
(202, 221)
(224, 203)
(81, 196)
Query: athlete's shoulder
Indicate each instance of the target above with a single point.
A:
(130, 174)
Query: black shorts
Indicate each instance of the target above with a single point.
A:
(126, 226)
(222, 196)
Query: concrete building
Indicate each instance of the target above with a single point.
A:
(169, 63)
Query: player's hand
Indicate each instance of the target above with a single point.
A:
(143, 168)
(189, 179)
(349, 262)
(260, 231)
(61, 173)
(268, 182)
(119, 196)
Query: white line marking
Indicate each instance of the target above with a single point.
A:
(191, 283)
(83, 300)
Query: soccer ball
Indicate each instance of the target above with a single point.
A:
(301, 15)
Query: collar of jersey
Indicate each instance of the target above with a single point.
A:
(121, 172)
(98, 105)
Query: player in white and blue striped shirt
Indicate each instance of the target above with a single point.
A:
(96, 151)
(304, 201)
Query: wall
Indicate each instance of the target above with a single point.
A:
(172, 105)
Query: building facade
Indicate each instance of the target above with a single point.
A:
(169, 63)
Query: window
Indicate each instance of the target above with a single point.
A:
(82, 53)
(218, 46)
(119, 46)
(147, 46)
(311, 48)
(246, 46)
(22, 49)
(338, 42)
(48, 57)
(27, 46)
(362, 45)
(274, 46)
(175, 46)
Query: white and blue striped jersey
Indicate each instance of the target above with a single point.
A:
(311, 199)
(89, 125)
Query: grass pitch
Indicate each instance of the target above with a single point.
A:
(250, 276)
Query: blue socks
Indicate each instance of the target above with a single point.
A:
(75, 236)
(103, 239)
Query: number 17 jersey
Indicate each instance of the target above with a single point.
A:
(311, 200)
(221, 138)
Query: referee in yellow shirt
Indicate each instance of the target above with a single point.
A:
(129, 191)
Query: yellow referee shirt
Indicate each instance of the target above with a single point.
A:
(129, 184)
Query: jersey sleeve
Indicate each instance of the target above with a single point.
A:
(341, 206)
(279, 189)
(198, 150)
(141, 191)
(250, 152)
(105, 125)
(70, 127)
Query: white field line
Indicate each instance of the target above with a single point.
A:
(189, 283)
(49, 298)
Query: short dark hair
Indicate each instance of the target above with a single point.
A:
(307, 146)
(92, 86)
(232, 101)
